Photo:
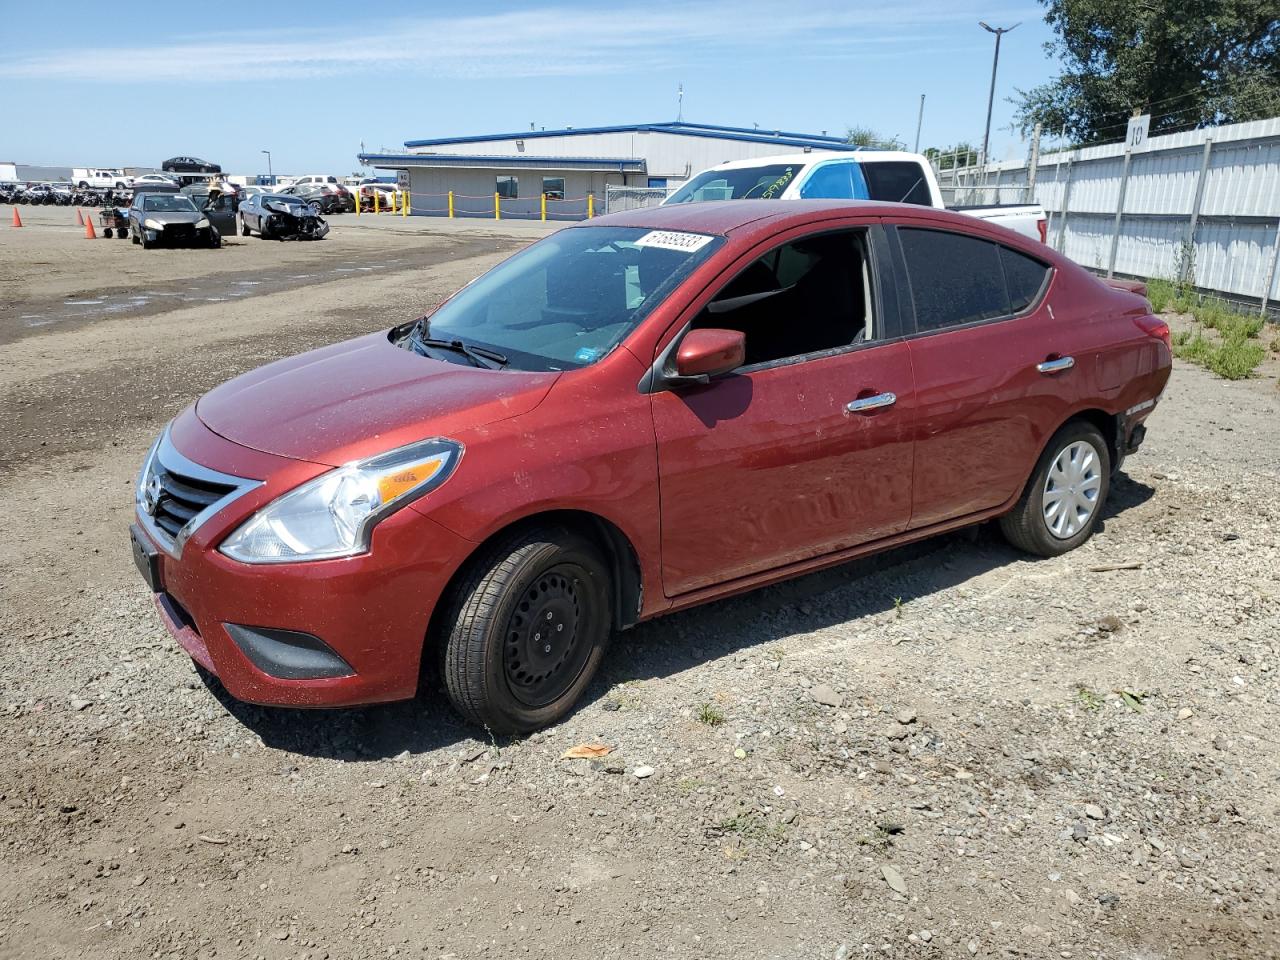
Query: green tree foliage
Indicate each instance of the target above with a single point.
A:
(866, 137)
(963, 154)
(1188, 63)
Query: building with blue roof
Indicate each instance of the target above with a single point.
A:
(576, 170)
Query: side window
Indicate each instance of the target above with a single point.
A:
(954, 278)
(802, 297)
(898, 181)
(830, 182)
(1025, 277)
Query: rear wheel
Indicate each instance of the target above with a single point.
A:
(528, 627)
(1063, 500)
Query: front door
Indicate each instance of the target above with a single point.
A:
(806, 449)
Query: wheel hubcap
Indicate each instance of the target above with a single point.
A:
(544, 652)
(1071, 489)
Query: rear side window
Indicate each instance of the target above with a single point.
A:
(1024, 276)
(954, 278)
(899, 181)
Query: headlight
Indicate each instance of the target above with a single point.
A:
(153, 224)
(202, 223)
(334, 514)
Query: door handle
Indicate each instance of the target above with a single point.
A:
(864, 404)
(1056, 366)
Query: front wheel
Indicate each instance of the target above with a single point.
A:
(1063, 500)
(527, 629)
(244, 227)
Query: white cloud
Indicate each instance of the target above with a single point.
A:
(553, 40)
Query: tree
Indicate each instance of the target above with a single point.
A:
(866, 137)
(963, 154)
(1188, 63)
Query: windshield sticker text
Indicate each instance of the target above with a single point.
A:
(672, 240)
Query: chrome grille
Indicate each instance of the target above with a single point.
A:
(175, 495)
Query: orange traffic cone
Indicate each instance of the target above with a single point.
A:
(88, 230)
(79, 216)
(17, 220)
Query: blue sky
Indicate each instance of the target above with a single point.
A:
(241, 77)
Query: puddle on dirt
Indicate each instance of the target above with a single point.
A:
(201, 291)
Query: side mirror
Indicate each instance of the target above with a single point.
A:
(707, 353)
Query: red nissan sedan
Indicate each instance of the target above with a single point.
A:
(634, 415)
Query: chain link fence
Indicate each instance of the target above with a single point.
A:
(618, 199)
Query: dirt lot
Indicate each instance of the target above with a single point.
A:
(946, 751)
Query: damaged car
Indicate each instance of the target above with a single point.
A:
(170, 219)
(274, 216)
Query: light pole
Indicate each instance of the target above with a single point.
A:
(272, 178)
(991, 97)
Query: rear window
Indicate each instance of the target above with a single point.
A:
(954, 279)
(898, 181)
(957, 279)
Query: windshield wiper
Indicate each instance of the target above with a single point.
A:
(479, 356)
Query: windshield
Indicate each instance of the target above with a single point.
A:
(569, 299)
(743, 183)
(167, 204)
(281, 198)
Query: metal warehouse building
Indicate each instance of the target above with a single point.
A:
(579, 172)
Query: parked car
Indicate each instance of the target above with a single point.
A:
(275, 216)
(169, 218)
(189, 165)
(104, 179)
(388, 196)
(888, 175)
(634, 415)
(159, 178)
(327, 198)
(315, 179)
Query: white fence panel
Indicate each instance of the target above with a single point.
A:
(1236, 228)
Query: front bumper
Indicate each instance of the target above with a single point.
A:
(252, 625)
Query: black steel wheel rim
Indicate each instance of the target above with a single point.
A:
(548, 636)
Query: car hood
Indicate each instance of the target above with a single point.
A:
(172, 216)
(361, 397)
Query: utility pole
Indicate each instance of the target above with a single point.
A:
(680, 103)
(991, 97)
(919, 123)
(270, 176)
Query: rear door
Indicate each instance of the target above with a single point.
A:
(991, 367)
(806, 449)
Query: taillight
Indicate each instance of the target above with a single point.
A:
(1153, 326)
(1043, 226)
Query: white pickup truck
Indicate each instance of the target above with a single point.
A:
(100, 177)
(862, 175)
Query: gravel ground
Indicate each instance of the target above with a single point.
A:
(949, 750)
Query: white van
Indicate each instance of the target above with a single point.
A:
(101, 177)
(315, 179)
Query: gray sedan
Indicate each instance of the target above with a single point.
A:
(156, 218)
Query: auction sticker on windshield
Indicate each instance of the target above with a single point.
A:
(673, 240)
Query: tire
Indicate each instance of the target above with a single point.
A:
(107, 233)
(499, 670)
(147, 244)
(1076, 464)
(134, 237)
(244, 227)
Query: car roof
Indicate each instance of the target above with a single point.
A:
(859, 156)
(725, 216)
